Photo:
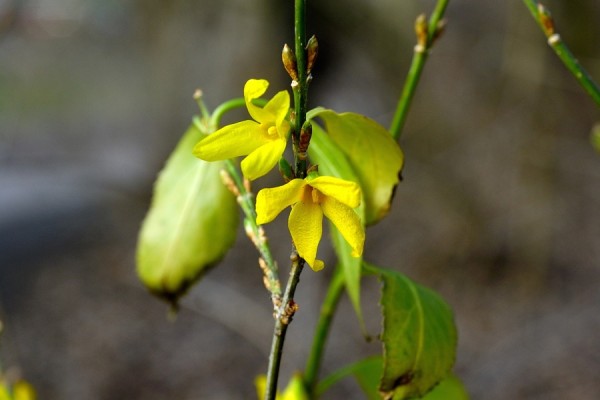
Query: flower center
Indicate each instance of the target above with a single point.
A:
(272, 131)
(311, 195)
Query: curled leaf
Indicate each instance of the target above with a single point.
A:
(191, 223)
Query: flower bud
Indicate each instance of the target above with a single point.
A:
(546, 20)
(312, 50)
(421, 31)
(305, 135)
(289, 62)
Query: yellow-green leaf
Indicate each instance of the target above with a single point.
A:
(367, 373)
(191, 223)
(332, 162)
(419, 337)
(374, 155)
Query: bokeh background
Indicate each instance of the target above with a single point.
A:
(499, 210)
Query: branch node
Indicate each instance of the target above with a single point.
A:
(554, 39)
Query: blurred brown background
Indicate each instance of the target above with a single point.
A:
(499, 210)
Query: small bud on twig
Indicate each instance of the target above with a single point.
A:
(313, 168)
(289, 62)
(304, 141)
(249, 230)
(422, 35)
(546, 20)
(247, 185)
(439, 30)
(312, 50)
(229, 183)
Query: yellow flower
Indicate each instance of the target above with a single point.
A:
(294, 391)
(262, 140)
(20, 391)
(312, 198)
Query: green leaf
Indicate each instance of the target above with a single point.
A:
(367, 373)
(332, 162)
(419, 336)
(374, 155)
(191, 224)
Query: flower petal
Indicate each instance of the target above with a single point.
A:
(253, 89)
(231, 141)
(348, 223)
(271, 201)
(278, 108)
(263, 159)
(346, 192)
(306, 226)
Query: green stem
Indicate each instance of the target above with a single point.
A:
(282, 320)
(300, 88)
(416, 68)
(332, 298)
(287, 308)
(546, 23)
(224, 108)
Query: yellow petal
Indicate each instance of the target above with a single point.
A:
(263, 159)
(306, 226)
(4, 395)
(260, 383)
(271, 201)
(23, 391)
(347, 222)
(231, 141)
(346, 192)
(278, 108)
(253, 89)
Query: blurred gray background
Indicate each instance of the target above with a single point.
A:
(499, 210)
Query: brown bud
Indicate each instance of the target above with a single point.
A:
(421, 31)
(546, 20)
(312, 50)
(289, 62)
(305, 136)
(439, 29)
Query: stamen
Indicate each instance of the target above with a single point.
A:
(316, 196)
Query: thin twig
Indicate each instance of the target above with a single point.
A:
(427, 33)
(541, 14)
(282, 319)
